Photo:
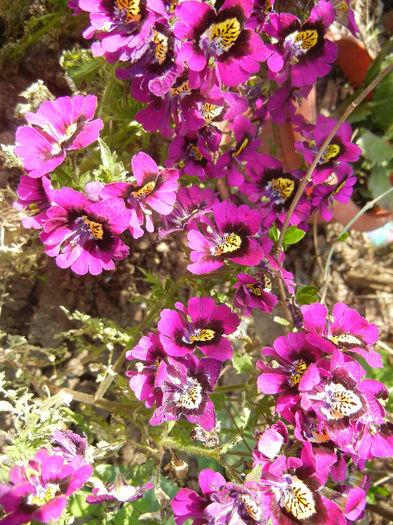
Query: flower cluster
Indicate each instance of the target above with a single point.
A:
(82, 231)
(39, 490)
(212, 78)
(170, 375)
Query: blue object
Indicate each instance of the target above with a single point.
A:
(381, 236)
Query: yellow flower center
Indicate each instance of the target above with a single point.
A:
(185, 86)
(223, 35)
(284, 186)
(210, 112)
(231, 243)
(307, 39)
(95, 228)
(145, 190)
(299, 369)
(240, 148)
(161, 42)
(331, 152)
(133, 9)
(202, 335)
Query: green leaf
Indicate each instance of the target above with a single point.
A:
(274, 234)
(378, 183)
(381, 106)
(307, 295)
(243, 363)
(293, 235)
(255, 474)
(343, 237)
(375, 147)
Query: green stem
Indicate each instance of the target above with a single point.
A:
(231, 472)
(35, 36)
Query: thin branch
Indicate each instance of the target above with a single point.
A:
(366, 207)
(308, 176)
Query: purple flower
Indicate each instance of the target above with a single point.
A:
(154, 190)
(118, 491)
(375, 438)
(221, 36)
(122, 26)
(192, 156)
(291, 492)
(192, 203)
(344, 14)
(83, 235)
(223, 502)
(273, 190)
(338, 402)
(254, 292)
(39, 491)
(244, 153)
(35, 197)
(229, 239)
(201, 325)
(270, 443)
(59, 126)
(185, 392)
(69, 444)
(337, 187)
(153, 59)
(150, 372)
(301, 51)
(298, 370)
(340, 149)
(345, 330)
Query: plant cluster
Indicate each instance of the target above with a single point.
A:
(208, 77)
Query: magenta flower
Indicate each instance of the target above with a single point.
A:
(375, 438)
(301, 52)
(150, 372)
(154, 190)
(341, 149)
(191, 155)
(185, 392)
(298, 370)
(57, 127)
(270, 443)
(121, 26)
(35, 197)
(245, 151)
(192, 203)
(337, 187)
(222, 502)
(69, 444)
(292, 492)
(119, 491)
(339, 403)
(345, 16)
(254, 292)
(230, 238)
(83, 235)
(221, 36)
(201, 325)
(273, 191)
(345, 330)
(39, 491)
